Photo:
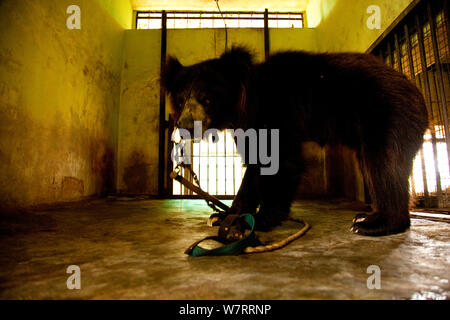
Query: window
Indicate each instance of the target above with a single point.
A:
(204, 19)
(218, 167)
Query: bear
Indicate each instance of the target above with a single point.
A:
(350, 99)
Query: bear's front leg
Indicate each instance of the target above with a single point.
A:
(277, 193)
(247, 198)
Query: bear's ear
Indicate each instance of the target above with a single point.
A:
(172, 69)
(239, 56)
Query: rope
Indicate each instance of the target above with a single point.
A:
(263, 248)
(224, 23)
(282, 243)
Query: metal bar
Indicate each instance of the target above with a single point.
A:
(215, 12)
(162, 109)
(424, 175)
(409, 51)
(390, 55)
(427, 91)
(169, 168)
(447, 27)
(266, 35)
(225, 158)
(428, 100)
(380, 54)
(136, 20)
(435, 159)
(413, 77)
(234, 168)
(413, 186)
(217, 167)
(183, 189)
(397, 52)
(447, 22)
(207, 168)
(440, 79)
(219, 18)
(199, 174)
(423, 62)
(190, 176)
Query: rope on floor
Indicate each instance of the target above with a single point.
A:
(282, 243)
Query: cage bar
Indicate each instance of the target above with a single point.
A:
(418, 46)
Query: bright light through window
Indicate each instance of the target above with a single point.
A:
(218, 166)
(197, 20)
(429, 165)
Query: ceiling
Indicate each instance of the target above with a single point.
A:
(225, 5)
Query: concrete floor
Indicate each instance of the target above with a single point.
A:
(134, 249)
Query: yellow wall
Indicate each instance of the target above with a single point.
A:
(225, 5)
(120, 10)
(139, 113)
(341, 24)
(59, 97)
(292, 39)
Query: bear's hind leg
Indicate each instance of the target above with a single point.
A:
(386, 175)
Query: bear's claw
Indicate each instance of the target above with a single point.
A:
(376, 224)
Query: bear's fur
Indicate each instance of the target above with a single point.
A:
(351, 99)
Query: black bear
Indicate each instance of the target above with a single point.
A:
(350, 99)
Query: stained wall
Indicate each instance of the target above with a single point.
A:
(59, 100)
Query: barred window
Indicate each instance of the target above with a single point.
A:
(205, 19)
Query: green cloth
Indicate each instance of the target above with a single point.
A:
(234, 248)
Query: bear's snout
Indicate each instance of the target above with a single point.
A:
(193, 111)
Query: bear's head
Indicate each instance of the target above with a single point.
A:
(213, 91)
